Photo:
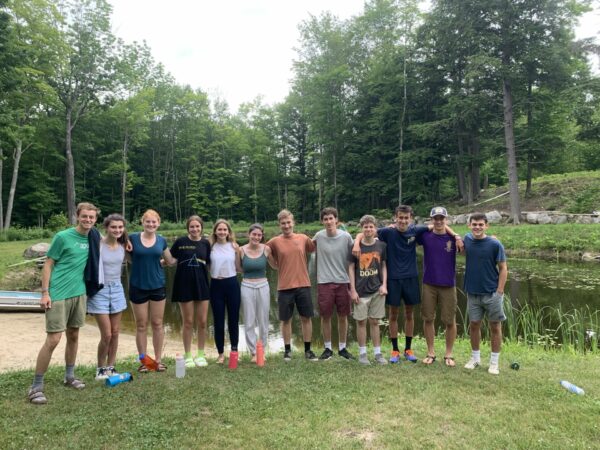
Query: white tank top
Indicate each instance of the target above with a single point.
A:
(222, 261)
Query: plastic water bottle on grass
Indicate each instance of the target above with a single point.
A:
(179, 366)
(572, 388)
(119, 378)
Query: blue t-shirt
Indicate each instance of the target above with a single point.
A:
(481, 271)
(401, 250)
(146, 271)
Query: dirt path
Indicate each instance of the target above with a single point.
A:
(22, 335)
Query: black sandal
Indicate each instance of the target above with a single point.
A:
(431, 359)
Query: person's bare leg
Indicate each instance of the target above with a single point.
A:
(202, 319)
(157, 312)
(475, 334)
(140, 312)
(375, 335)
(72, 335)
(286, 331)
(429, 332)
(103, 322)
(361, 332)
(450, 338)
(325, 328)
(45, 353)
(187, 320)
(342, 328)
(307, 328)
(409, 320)
(496, 336)
(394, 312)
(115, 326)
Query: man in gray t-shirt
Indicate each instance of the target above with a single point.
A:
(333, 249)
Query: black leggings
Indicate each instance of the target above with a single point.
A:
(225, 293)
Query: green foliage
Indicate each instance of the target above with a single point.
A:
(57, 222)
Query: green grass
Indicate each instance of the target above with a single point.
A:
(302, 404)
(12, 253)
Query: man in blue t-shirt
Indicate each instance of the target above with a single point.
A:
(485, 276)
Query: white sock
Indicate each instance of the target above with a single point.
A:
(328, 345)
(342, 346)
(476, 355)
(377, 350)
(362, 350)
(494, 357)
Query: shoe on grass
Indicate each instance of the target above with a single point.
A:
(395, 357)
(472, 364)
(189, 363)
(410, 356)
(36, 396)
(200, 361)
(101, 373)
(287, 355)
(310, 355)
(364, 359)
(74, 383)
(327, 354)
(494, 369)
(380, 359)
(344, 353)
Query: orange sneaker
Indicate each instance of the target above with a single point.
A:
(410, 356)
(395, 357)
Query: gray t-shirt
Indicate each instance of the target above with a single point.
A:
(332, 256)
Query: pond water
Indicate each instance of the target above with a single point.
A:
(535, 282)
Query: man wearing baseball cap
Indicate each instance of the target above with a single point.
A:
(439, 283)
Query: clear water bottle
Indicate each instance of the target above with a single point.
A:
(179, 366)
(572, 388)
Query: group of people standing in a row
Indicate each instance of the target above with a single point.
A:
(376, 269)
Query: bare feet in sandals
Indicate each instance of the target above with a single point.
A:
(449, 360)
(221, 358)
(429, 360)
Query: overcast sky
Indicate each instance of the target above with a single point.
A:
(235, 49)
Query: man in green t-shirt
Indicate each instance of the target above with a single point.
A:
(64, 299)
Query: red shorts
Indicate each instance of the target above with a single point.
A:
(330, 294)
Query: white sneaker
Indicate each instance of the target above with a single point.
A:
(200, 361)
(364, 359)
(494, 369)
(472, 364)
(101, 374)
(380, 359)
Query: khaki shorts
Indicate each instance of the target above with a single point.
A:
(444, 296)
(68, 313)
(371, 306)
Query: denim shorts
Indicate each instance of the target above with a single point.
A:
(109, 300)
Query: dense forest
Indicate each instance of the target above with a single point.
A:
(393, 105)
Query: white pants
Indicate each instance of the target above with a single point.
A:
(256, 301)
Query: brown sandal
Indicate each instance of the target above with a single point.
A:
(160, 367)
(429, 360)
(449, 360)
(142, 369)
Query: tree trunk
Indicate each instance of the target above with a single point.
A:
(475, 183)
(255, 206)
(124, 175)
(70, 171)
(335, 196)
(460, 171)
(531, 143)
(402, 119)
(509, 136)
(13, 183)
(1, 182)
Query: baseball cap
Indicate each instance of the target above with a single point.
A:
(438, 211)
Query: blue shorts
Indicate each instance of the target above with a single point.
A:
(109, 300)
(406, 289)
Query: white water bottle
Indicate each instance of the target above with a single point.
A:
(572, 388)
(179, 365)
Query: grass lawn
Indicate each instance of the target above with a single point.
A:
(333, 404)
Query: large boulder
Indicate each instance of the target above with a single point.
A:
(461, 219)
(494, 217)
(590, 257)
(532, 217)
(583, 219)
(544, 218)
(36, 250)
(557, 220)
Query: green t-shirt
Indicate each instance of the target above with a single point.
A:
(69, 250)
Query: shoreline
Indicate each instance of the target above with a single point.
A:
(23, 333)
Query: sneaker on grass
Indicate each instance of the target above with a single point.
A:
(494, 369)
(200, 361)
(395, 357)
(380, 359)
(364, 359)
(410, 356)
(287, 355)
(327, 354)
(472, 364)
(344, 353)
(101, 374)
(310, 355)
(189, 363)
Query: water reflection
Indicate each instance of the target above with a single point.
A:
(540, 283)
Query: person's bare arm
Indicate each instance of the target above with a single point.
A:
(352, 276)
(502, 276)
(270, 259)
(45, 301)
(356, 246)
(168, 257)
(383, 287)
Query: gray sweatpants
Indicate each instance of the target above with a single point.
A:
(256, 301)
